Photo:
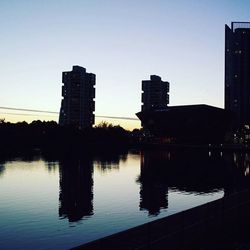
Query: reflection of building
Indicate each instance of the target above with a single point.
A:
(191, 123)
(237, 71)
(78, 93)
(153, 192)
(193, 171)
(155, 93)
(109, 161)
(2, 167)
(76, 189)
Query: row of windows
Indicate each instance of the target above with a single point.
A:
(237, 51)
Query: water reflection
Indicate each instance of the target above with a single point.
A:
(189, 171)
(105, 166)
(76, 182)
(242, 160)
(76, 189)
(153, 190)
(110, 161)
(241, 164)
(2, 168)
(161, 171)
(168, 181)
(52, 166)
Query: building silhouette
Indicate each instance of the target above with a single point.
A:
(237, 72)
(154, 93)
(78, 92)
(161, 123)
(197, 124)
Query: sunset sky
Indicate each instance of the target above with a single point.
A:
(122, 42)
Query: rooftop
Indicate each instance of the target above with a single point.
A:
(240, 25)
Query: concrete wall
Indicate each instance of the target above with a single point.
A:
(215, 223)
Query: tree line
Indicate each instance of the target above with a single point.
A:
(49, 135)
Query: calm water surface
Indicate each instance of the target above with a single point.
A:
(58, 204)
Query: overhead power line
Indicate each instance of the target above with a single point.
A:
(30, 110)
(118, 117)
(56, 113)
(25, 114)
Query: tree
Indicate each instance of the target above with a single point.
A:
(105, 125)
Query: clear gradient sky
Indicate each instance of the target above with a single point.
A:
(122, 42)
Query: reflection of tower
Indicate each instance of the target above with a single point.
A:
(2, 168)
(76, 189)
(154, 190)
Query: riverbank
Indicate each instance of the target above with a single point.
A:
(219, 224)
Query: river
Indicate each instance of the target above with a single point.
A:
(62, 202)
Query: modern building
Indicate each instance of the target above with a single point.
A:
(237, 72)
(179, 124)
(187, 124)
(78, 92)
(154, 93)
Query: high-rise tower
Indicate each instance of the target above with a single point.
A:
(237, 72)
(78, 92)
(154, 94)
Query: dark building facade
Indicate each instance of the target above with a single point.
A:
(154, 93)
(182, 124)
(187, 124)
(237, 72)
(78, 92)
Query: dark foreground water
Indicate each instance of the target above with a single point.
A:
(64, 202)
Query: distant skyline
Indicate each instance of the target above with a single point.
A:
(122, 42)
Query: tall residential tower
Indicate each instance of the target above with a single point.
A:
(154, 94)
(78, 92)
(237, 72)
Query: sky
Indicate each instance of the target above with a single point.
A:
(122, 42)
